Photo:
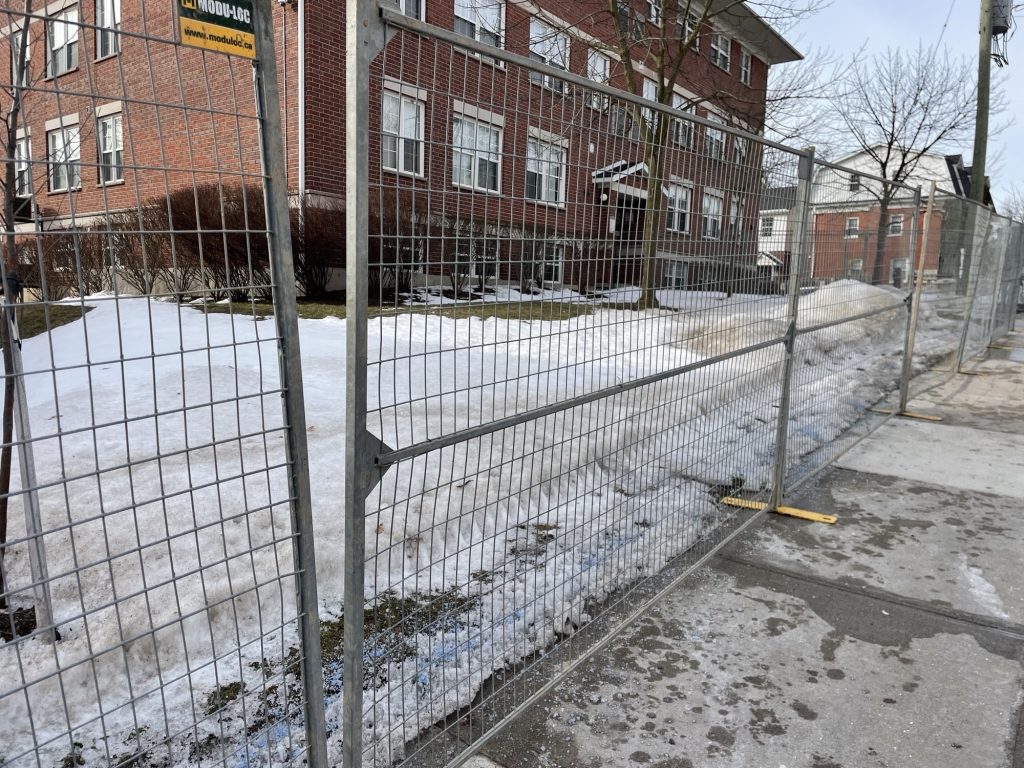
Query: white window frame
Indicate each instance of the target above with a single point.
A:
(711, 220)
(16, 38)
(650, 92)
(476, 154)
(740, 147)
(418, 106)
(746, 66)
(481, 29)
(767, 228)
(735, 217)
(554, 256)
(630, 128)
(537, 144)
(895, 223)
(70, 159)
(854, 185)
(854, 231)
(858, 269)
(678, 199)
(598, 70)
(108, 27)
(902, 264)
(418, 13)
(715, 139)
(720, 50)
(675, 275)
(65, 20)
(110, 125)
(551, 47)
(654, 11)
(22, 167)
(682, 129)
(686, 25)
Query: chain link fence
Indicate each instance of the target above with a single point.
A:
(589, 338)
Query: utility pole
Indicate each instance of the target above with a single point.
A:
(984, 86)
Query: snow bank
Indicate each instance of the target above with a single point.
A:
(150, 551)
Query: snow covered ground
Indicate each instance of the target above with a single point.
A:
(168, 544)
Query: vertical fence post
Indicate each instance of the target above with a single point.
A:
(364, 38)
(918, 288)
(975, 261)
(798, 261)
(27, 469)
(278, 222)
(997, 286)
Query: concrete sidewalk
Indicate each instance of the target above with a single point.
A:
(895, 638)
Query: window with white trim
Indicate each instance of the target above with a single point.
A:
(110, 142)
(678, 218)
(852, 228)
(411, 8)
(650, 92)
(16, 39)
(476, 156)
(854, 182)
(721, 50)
(711, 216)
(896, 224)
(480, 20)
(108, 23)
(686, 27)
(545, 171)
(746, 62)
(654, 11)
(715, 140)
(735, 217)
(630, 21)
(22, 161)
(401, 146)
(598, 68)
(767, 226)
(63, 158)
(623, 123)
(739, 150)
(553, 267)
(551, 47)
(675, 274)
(855, 268)
(682, 130)
(62, 42)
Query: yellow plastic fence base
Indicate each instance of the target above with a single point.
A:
(803, 514)
(907, 414)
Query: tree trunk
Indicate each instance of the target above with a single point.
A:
(877, 271)
(653, 150)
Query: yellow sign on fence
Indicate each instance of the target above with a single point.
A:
(224, 26)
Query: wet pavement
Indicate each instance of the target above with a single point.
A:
(894, 638)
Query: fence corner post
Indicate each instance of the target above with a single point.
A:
(798, 262)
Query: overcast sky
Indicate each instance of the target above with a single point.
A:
(847, 25)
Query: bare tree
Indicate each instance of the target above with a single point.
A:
(660, 40)
(896, 108)
(1013, 205)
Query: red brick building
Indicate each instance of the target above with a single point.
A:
(498, 163)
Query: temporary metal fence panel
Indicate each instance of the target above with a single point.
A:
(573, 353)
(1008, 296)
(156, 523)
(852, 328)
(991, 235)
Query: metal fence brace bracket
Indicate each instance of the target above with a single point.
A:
(803, 514)
(906, 414)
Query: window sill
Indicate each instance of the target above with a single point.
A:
(546, 203)
(407, 174)
(98, 59)
(48, 78)
(117, 183)
(50, 192)
(895, 234)
(467, 188)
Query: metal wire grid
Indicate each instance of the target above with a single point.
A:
(546, 446)
(150, 514)
(853, 316)
(1010, 282)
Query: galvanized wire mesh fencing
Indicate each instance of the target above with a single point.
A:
(588, 337)
(159, 497)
